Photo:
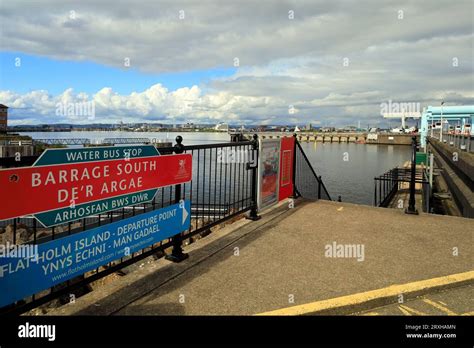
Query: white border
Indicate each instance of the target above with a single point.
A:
(261, 145)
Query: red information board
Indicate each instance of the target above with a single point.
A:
(286, 167)
(30, 190)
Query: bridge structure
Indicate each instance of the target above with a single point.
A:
(333, 137)
(464, 115)
(65, 141)
(85, 141)
(402, 116)
(121, 141)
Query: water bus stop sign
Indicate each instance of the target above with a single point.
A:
(85, 178)
(103, 153)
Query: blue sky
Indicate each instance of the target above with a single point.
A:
(208, 62)
(55, 76)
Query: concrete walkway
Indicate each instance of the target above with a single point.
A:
(282, 261)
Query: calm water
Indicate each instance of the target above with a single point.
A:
(347, 169)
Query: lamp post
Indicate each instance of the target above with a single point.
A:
(442, 124)
(411, 201)
(432, 125)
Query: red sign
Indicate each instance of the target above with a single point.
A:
(31, 190)
(286, 167)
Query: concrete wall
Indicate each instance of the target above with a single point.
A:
(394, 139)
(12, 150)
(458, 172)
(461, 161)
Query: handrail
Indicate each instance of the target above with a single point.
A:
(318, 178)
(387, 184)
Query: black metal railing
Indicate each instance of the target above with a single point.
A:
(307, 183)
(219, 190)
(387, 185)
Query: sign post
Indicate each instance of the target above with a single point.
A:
(177, 254)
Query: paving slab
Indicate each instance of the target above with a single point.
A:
(287, 263)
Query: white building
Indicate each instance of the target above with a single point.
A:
(222, 127)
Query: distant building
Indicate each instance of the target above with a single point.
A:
(328, 129)
(189, 126)
(222, 127)
(347, 129)
(3, 118)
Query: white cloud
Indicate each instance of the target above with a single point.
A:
(213, 33)
(282, 62)
(154, 104)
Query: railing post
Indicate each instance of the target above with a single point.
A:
(254, 210)
(319, 187)
(294, 195)
(375, 192)
(427, 196)
(177, 254)
(411, 202)
(396, 179)
(431, 170)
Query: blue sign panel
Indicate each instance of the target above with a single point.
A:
(72, 213)
(25, 273)
(94, 154)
